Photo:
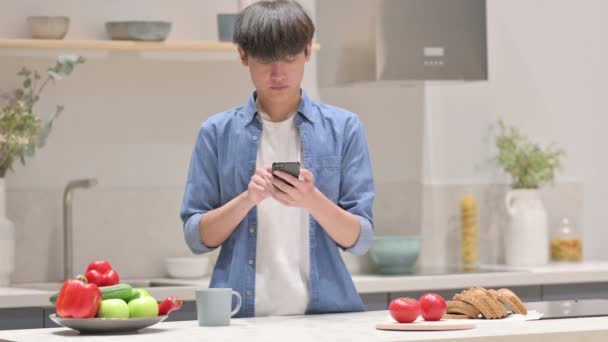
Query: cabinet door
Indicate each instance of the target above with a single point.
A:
(20, 318)
(446, 294)
(48, 323)
(186, 313)
(375, 301)
(575, 291)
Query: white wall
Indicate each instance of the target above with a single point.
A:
(130, 121)
(548, 77)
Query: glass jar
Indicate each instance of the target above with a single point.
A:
(566, 243)
(469, 239)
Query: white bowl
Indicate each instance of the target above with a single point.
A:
(48, 27)
(188, 267)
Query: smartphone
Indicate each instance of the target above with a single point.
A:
(293, 168)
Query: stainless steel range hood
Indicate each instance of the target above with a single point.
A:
(401, 40)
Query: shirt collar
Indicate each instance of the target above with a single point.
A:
(305, 108)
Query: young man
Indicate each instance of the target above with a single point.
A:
(280, 242)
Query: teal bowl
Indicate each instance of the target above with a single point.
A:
(395, 254)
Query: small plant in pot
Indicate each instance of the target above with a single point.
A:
(22, 132)
(530, 167)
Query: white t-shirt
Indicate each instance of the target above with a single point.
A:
(282, 251)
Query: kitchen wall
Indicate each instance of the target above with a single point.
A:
(548, 74)
(130, 121)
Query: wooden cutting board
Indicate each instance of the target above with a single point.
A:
(455, 324)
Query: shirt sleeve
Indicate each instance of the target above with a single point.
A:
(202, 188)
(357, 184)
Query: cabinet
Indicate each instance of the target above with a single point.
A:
(21, 318)
(46, 321)
(375, 301)
(526, 293)
(30, 318)
(534, 293)
(186, 313)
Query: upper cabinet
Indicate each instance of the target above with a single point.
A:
(401, 40)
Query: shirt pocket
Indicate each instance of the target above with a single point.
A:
(327, 175)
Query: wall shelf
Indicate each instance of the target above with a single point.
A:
(120, 45)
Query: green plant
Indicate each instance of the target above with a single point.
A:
(21, 130)
(529, 165)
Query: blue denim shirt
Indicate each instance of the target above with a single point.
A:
(334, 149)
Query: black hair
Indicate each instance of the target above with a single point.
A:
(273, 30)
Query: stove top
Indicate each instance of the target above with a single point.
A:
(571, 308)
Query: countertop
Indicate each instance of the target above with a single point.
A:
(588, 272)
(350, 327)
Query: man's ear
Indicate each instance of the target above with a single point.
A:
(308, 51)
(243, 56)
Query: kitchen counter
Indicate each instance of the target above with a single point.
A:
(588, 272)
(350, 327)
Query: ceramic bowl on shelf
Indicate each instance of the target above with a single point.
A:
(188, 267)
(395, 254)
(225, 26)
(45, 27)
(139, 30)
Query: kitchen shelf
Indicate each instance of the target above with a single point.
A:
(120, 45)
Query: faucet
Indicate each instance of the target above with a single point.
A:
(68, 257)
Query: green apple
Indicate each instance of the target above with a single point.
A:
(143, 307)
(113, 308)
(138, 293)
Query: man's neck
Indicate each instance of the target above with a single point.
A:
(277, 111)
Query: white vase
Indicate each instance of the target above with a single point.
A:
(527, 237)
(7, 240)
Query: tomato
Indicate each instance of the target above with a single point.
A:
(404, 310)
(432, 306)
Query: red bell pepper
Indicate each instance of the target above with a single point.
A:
(168, 305)
(78, 299)
(101, 273)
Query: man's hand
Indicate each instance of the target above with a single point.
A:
(259, 185)
(301, 192)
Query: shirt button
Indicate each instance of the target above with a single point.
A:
(255, 138)
(250, 261)
(248, 293)
(251, 168)
(252, 230)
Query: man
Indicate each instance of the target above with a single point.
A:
(280, 242)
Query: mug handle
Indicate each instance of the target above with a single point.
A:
(238, 303)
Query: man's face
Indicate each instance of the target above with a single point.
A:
(277, 80)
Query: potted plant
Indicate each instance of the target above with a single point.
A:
(530, 166)
(22, 132)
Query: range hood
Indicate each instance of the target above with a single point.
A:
(401, 40)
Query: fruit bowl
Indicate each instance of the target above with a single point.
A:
(106, 325)
(395, 254)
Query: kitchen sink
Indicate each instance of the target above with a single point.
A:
(136, 283)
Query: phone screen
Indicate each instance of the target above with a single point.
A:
(292, 168)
